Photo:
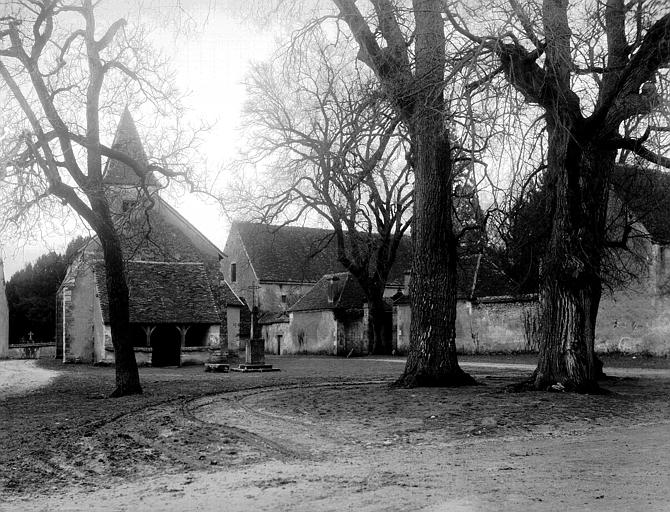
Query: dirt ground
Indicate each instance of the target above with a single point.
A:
(329, 434)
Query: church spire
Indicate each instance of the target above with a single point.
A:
(128, 141)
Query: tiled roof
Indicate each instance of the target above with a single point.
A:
(300, 254)
(128, 141)
(476, 273)
(490, 280)
(646, 193)
(228, 296)
(148, 237)
(274, 318)
(346, 294)
(174, 293)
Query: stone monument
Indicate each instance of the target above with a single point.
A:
(254, 360)
(4, 316)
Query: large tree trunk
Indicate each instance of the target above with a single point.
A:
(571, 270)
(127, 375)
(432, 354)
(432, 357)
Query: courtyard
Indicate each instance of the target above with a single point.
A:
(329, 434)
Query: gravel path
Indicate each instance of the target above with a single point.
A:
(18, 377)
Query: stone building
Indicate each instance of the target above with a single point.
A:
(273, 266)
(181, 308)
(284, 272)
(328, 319)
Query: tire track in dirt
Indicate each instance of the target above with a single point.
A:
(282, 430)
(127, 427)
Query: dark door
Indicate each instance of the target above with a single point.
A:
(165, 346)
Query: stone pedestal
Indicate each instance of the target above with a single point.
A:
(4, 317)
(255, 351)
(254, 358)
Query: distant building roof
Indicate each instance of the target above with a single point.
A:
(273, 318)
(332, 291)
(164, 293)
(646, 193)
(477, 278)
(300, 254)
(126, 140)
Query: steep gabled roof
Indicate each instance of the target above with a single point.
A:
(346, 293)
(300, 254)
(646, 193)
(126, 140)
(160, 293)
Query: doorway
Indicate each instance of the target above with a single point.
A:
(165, 346)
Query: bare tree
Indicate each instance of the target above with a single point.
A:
(333, 147)
(63, 75)
(406, 48)
(589, 68)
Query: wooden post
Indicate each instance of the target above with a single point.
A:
(183, 329)
(148, 331)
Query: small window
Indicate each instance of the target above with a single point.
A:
(233, 272)
(283, 299)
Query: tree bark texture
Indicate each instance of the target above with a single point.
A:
(432, 357)
(580, 160)
(127, 374)
(570, 280)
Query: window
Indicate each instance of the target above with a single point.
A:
(283, 298)
(233, 272)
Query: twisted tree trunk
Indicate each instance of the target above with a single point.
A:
(571, 270)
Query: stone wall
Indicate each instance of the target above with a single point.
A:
(494, 326)
(270, 333)
(79, 298)
(635, 317)
(233, 328)
(351, 334)
(245, 276)
(312, 332)
(31, 351)
(634, 321)
(485, 327)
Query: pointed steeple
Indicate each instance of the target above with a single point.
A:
(128, 141)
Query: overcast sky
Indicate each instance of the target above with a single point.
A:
(211, 50)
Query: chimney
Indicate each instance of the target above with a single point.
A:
(331, 288)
